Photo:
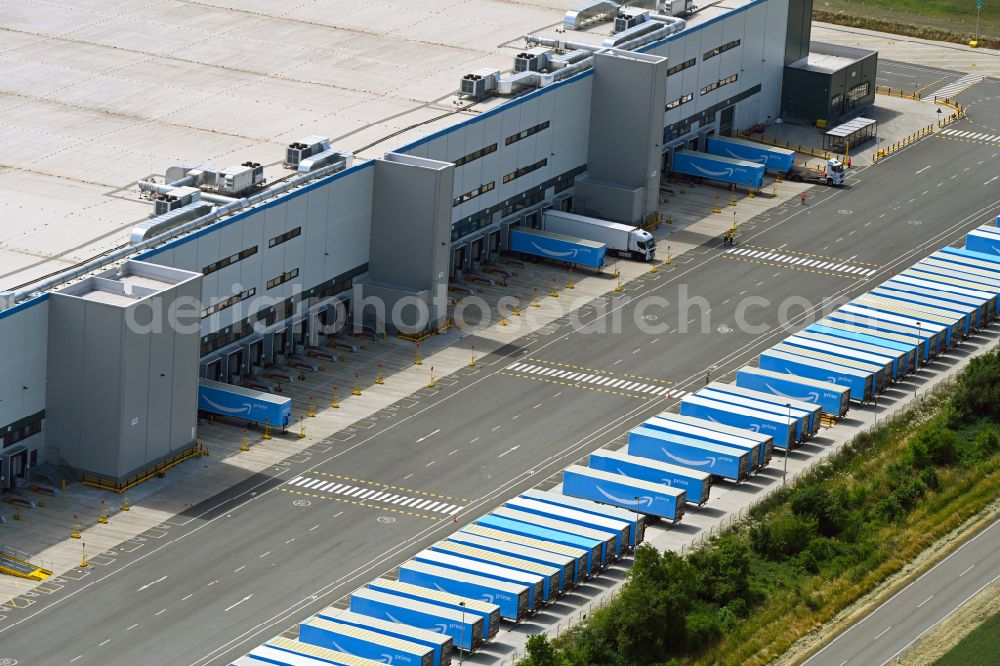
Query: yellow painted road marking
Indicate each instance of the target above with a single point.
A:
(609, 373)
(809, 254)
(584, 386)
(933, 83)
(367, 505)
(779, 265)
(386, 485)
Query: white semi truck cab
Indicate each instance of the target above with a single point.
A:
(834, 172)
(624, 240)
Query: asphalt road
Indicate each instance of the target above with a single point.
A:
(910, 613)
(247, 564)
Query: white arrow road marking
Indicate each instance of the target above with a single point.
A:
(246, 598)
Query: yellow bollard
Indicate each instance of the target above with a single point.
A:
(83, 555)
(433, 382)
(302, 429)
(534, 299)
(619, 287)
(75, 534)
(669, 260)
(267, 430)
(357, 385)
(419, 361)
(379, 379)
(311, 412)
(334, 403)
(472, 361)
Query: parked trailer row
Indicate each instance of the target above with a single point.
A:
(783, 429)
(695, 484)
(473, 600)
(800, 417)
(579, 555)
(725, 462)
(833, 399)
(650, 499)
(465, 629)
(440, 644)
(513, 600)
(810, 411)
(364, 643)
(638, 527)
(716, 433)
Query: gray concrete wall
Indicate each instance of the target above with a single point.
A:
(625, 137)
(411, 226)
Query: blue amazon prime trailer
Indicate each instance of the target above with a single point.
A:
(811, 410)
(967, 315)
(985, 239)
(695, 484)
(954, 325)
(771, 157)
(490, 612)
(578, 554)
(859, 383)
(548, 245)
(897, 366)
(291, 652)
(755, 460)
(725, 462)
(844, 353)
(593, 547)
(716, 433)
(832, 398)
(905, 353)
(802, 417)
(650, 499)
(899, 339)
(609, 542)
(784, 430)
(364, 643)
(564, 563)
(715, 167)
(932, 334)
(986, 299)
(552, 578)
(465, 629)
(978, 259)
(967, 265)
(955, 276)
(876, 371)
(620, 528)
(440, 645)
(513, 600)
(638, 527)
(536, 583)
(973, 308)
(245, 404)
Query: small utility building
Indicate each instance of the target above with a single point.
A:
(829, 84)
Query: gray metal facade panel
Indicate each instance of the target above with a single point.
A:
(184, 374)
(159, 407)
(136, 362)
(65, 374)
(100, 389)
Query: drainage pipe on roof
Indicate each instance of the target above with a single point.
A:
(124, 252)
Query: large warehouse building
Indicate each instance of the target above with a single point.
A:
(582, 119)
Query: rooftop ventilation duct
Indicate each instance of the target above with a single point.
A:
(167, 221)
(320, 160)
(589, 11)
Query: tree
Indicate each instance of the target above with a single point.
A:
(541, 652)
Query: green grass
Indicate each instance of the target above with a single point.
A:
(933, 19)
(981, 647)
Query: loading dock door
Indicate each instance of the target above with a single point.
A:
(477, 250)
(213, 370)
(457, 260)
(726, 121)
(234, 365)
(255, 355)
(494, 243)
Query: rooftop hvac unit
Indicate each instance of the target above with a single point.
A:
(177, 197)
(236, 180)
(629, 17)
(480, 83)
(677, 7)
(532, 60)
(169, 220)
(303, 148)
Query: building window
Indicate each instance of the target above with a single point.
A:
(837, 104)
(228, 303)
(681, 67)
(564, 184)
(22, 430)
(226, 261)
(472, 157)
(283, 278)
(718, 84)
(287, 236)
(514, 175)
(482, 189)
(524, 134)
(721, 49)
(680, 100)
(858, 92)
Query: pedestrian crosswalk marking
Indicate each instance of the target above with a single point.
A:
(362, 496)
(606, 383)
(971, 136)
(826, 265)
(961, 85)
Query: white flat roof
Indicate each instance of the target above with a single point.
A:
(98, 95)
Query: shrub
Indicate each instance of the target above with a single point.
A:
(723, 572)
(909, 493)
(888, 509)
(930, 479)
(789, 535)
(934, 444)
(988, 442)
(702, 628)
(828, 507)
